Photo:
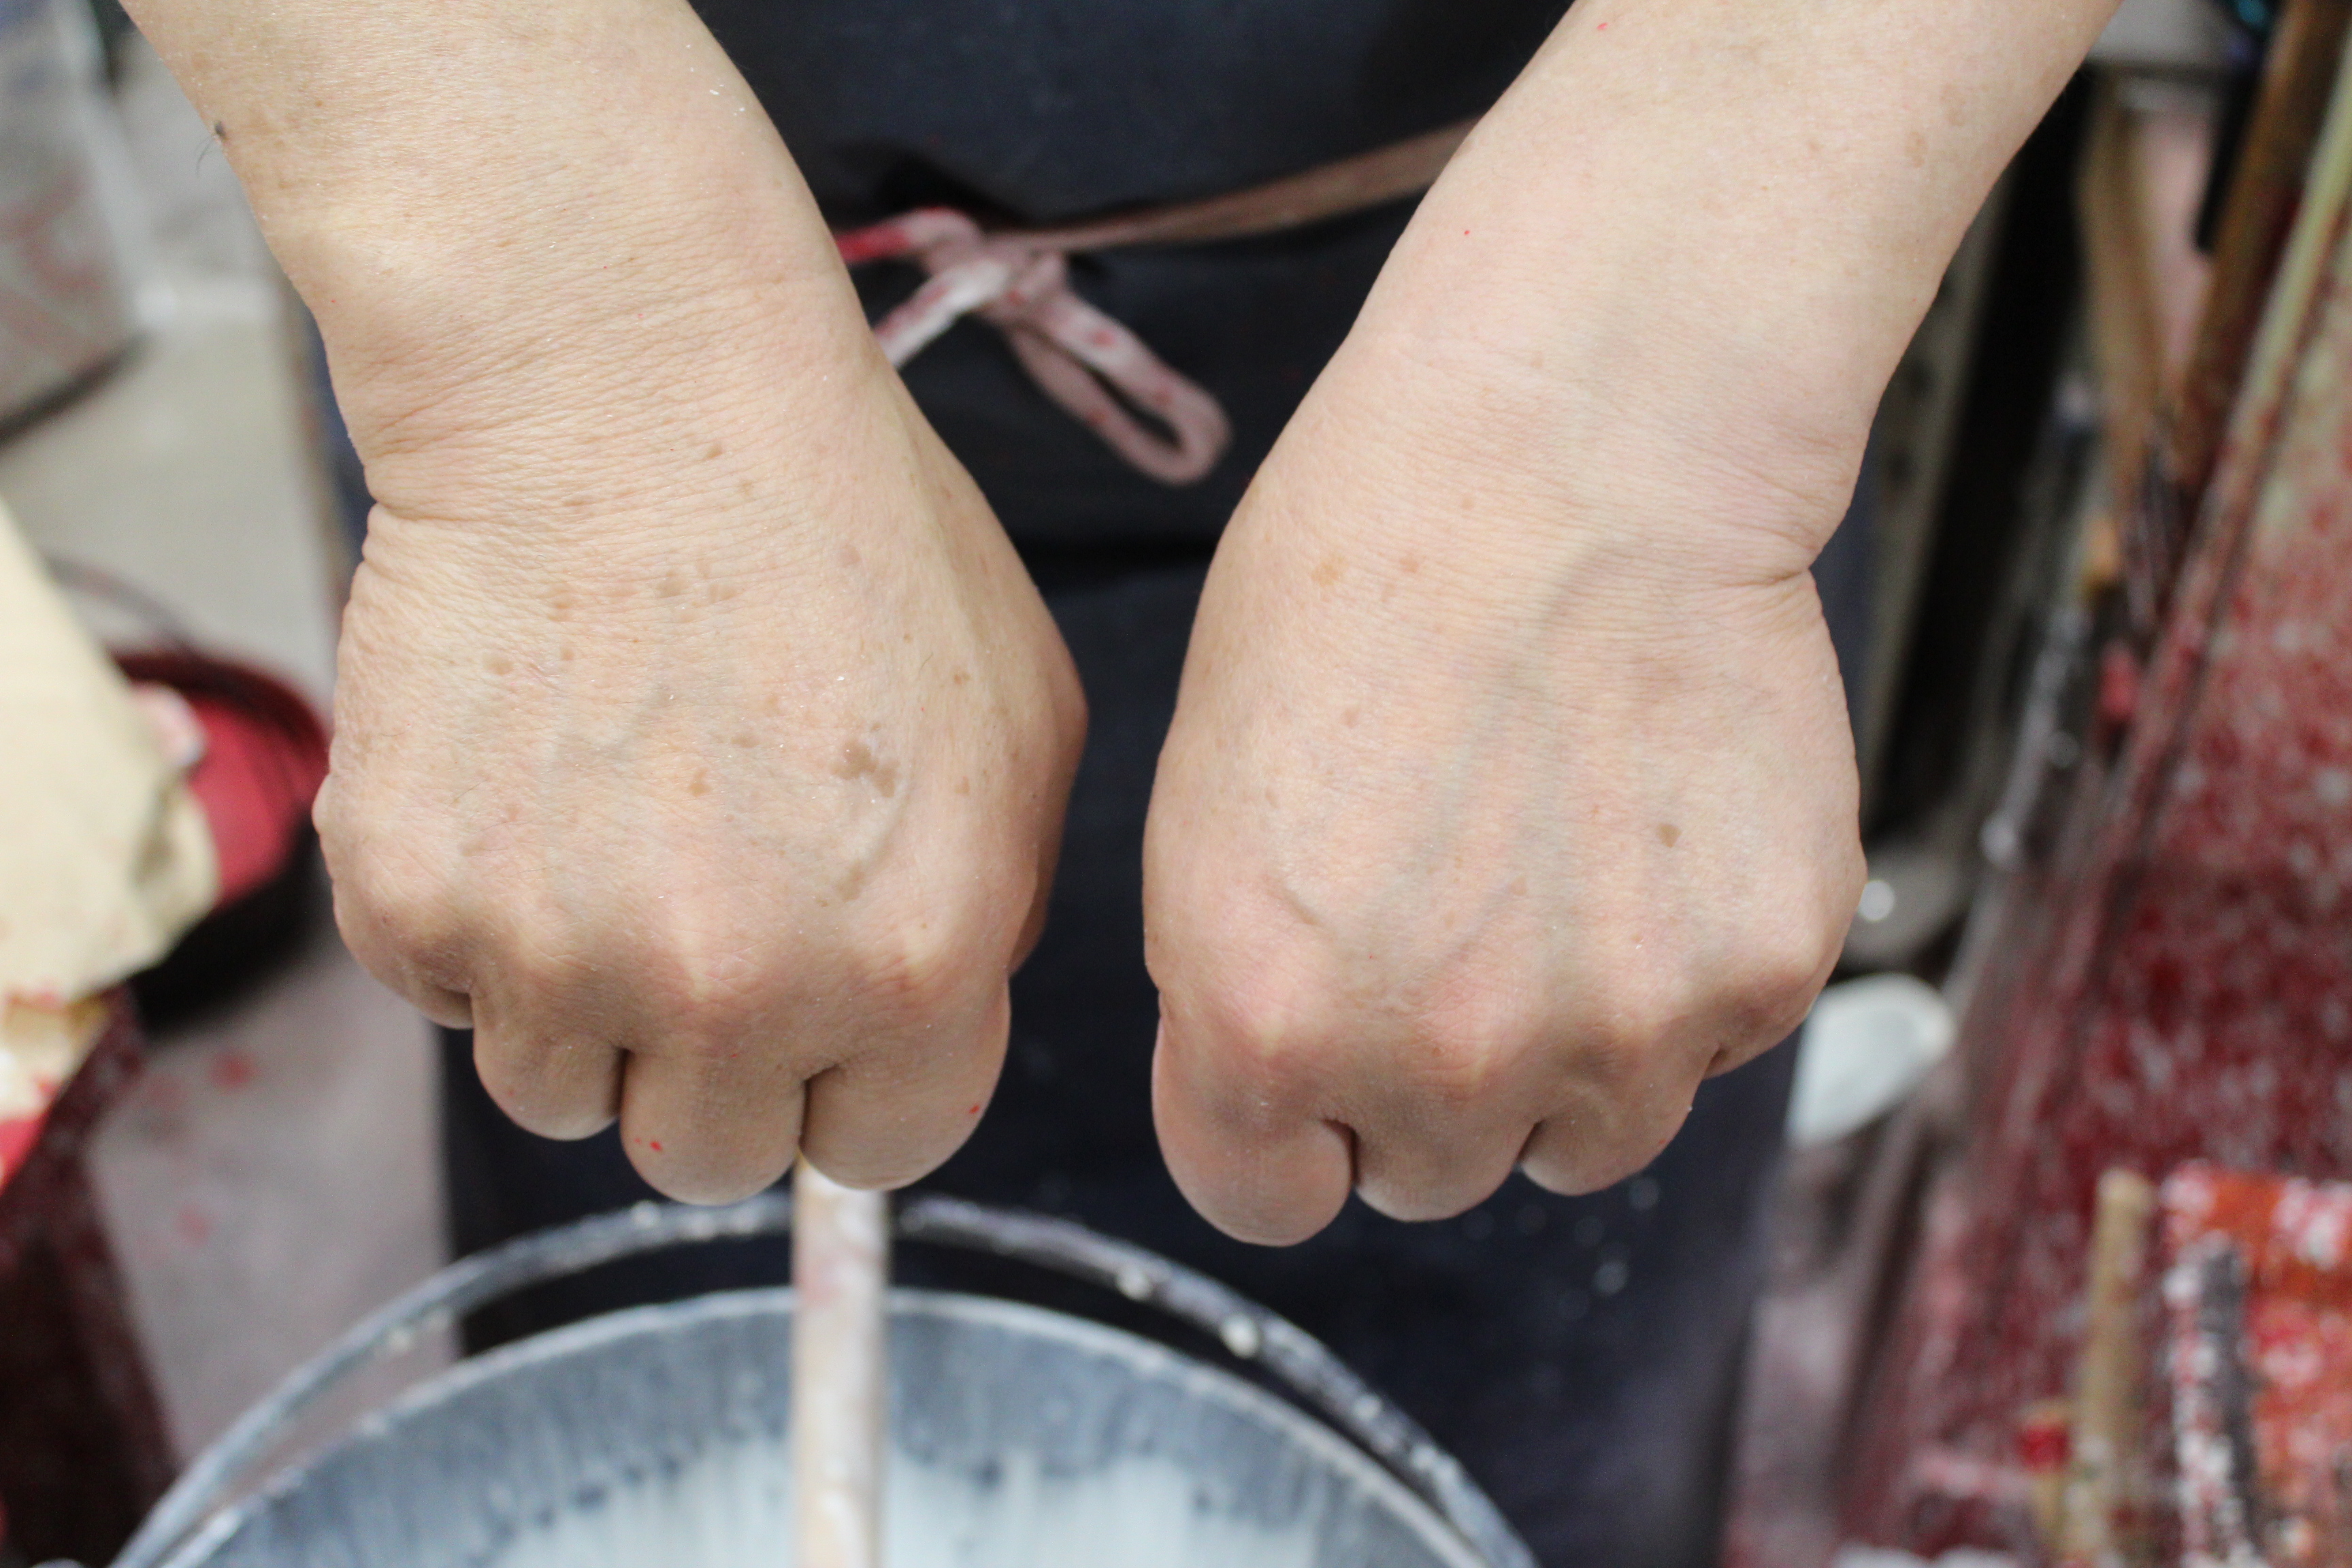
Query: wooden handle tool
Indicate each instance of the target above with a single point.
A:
(841, 1256)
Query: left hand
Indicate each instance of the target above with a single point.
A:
(1510, 794)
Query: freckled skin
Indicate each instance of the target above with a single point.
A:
(699, 738)
(858, 762)
(1485, 855)
(1509, 790)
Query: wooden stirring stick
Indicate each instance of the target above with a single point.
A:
(841, 1254)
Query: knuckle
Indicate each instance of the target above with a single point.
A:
(918, 969)
(1786, 965)
(1801, 952)
(1468, 1043)
(1594, 1142)
(1631, 1024)
(408, 909)
(721, 1062)
(1613, 1064)
(1270, 1022)
(872, 1163)
(1421, 1192)
(397, 906)
(694, 975)
(562, 1091)
(535, 957)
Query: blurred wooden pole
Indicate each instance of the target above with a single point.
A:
(2104, 1498)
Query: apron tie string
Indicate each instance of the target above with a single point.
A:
(1101, 372)
(1080, 357)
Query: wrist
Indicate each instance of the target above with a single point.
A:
(1620, 444)
(566, 204)
(1710, 226)
(1650, 340)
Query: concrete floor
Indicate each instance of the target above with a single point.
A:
(275, 1174)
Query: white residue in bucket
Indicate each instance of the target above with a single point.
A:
(733, 1509)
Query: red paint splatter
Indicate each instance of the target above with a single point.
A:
(974, 1111)
(655, 1145)
(232, 1070)
(2044, 1441)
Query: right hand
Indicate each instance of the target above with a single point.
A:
(700, 741)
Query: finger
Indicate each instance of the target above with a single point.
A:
(1250, 1157)
(547, 1077)
(549, 1028)
(894, 1113)
(706, 1126)
(1458, 1084)
(1597, 1139)
(391, 960)
(1041, 900)
(1049, 842)
(1433, 1165)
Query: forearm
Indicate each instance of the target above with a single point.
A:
(1712, 211)
(471, 196)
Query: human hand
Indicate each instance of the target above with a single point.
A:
(1504, 803)
(1510, 791)
(700, 740)
(721, 793)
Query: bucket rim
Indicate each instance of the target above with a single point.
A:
(568, 1341)
(1297, 1363)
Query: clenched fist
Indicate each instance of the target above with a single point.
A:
(702, 744)
(1498, 810)
(727, 808)
(700, 741)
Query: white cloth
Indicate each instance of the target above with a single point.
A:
(105, 858)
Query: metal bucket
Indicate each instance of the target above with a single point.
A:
(655, 1438)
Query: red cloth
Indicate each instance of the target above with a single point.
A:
(265, 757)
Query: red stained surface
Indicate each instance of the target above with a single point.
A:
(2293, 1242)
(232, 1070)
(82, 1451)
(2176, 985)
(2297, 1237)
(2300, 1356)
(16, 1140)
(2043, 1442)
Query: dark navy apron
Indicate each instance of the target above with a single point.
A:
(1580, 1355)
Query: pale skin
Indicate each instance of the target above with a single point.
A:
(701, 743)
